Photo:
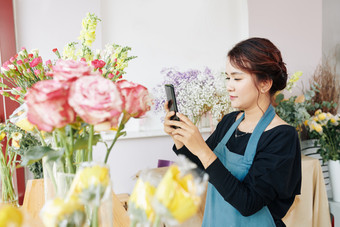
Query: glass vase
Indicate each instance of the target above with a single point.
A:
(56, 181)
(8, 185)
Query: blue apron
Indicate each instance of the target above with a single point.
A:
(218, 212)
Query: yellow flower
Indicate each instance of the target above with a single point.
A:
(67, 211)
(315, 119)
(2, 135)
(88, 34)
(69, 51)
(178, 194)
(11, 216)
(141, 198)
(306, 122)
(319, 111)
(16, 136)
(333, 120)
(322, 116)
(91, 176)
(317, 127)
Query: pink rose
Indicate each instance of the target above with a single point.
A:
(47, 105)
(70, 70)
(35, 62)
(136, 97)
(96, 100)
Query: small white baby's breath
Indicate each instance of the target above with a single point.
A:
(197, 92)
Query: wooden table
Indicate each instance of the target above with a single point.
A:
(35, 199)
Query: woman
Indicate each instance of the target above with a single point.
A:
(253, 157)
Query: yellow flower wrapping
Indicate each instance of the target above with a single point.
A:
(141, 198)
(178, 194)
(10, 216)
(91, 176)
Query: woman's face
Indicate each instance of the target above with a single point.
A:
(241, 87)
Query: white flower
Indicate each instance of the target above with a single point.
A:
(197, 92)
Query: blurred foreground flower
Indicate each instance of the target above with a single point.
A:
(11, 216)
(175, 200)
(140, 208)
(178, 193)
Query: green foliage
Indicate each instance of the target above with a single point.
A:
(297, 109)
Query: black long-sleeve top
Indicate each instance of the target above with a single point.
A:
(273, 179)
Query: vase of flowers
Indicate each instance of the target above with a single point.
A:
(71, 100)
(80, 103)
(8, 181)
(199, 94)
(8, 185)
(88, 202)
(325, 128)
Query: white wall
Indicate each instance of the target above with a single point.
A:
(295, 27)
(48, 24)
(331, 32)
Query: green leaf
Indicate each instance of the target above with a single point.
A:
(82, 143)
(279, 98)
(36, 153)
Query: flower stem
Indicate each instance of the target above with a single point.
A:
(118, 134)
(94, 219)
(89, 157)
(68, 152)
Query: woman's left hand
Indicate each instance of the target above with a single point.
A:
(189, 135)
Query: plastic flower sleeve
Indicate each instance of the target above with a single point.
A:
(60, 212)
(19, 118)
(140, 209)
(92, 186)
(178, 195)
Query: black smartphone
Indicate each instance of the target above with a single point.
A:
(171, 98)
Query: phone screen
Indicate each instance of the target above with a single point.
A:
(171, 98)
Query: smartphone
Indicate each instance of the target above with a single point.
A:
(171, 98)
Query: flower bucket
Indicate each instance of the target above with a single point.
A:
(334, 174)
(8, 185)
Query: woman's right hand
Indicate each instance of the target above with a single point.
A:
(168, 129)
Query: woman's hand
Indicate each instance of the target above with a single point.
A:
(188, 134)
(168, 129)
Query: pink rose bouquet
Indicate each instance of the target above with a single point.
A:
(77, 100)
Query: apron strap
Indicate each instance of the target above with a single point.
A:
(231, 130)
(255, 136)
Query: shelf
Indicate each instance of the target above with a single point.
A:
(108, 136)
